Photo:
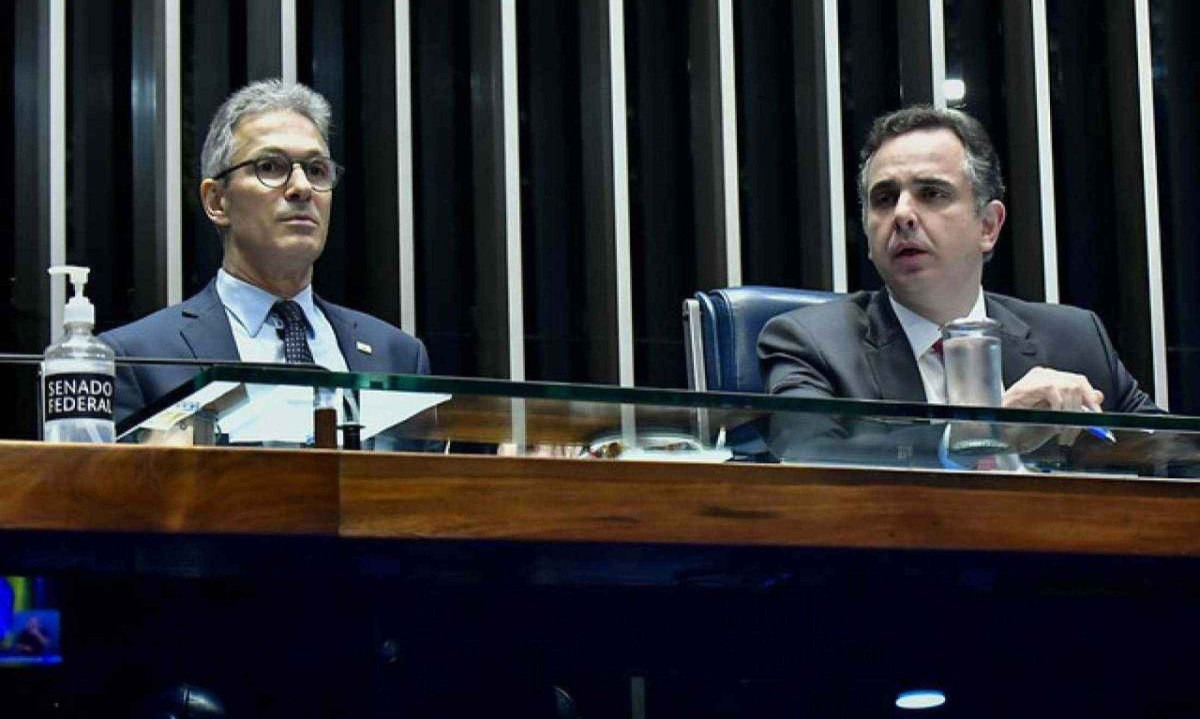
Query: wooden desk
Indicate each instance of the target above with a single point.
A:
(412, 496)
(315, 583)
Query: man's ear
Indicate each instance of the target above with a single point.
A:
(991, 219)
(212, 197)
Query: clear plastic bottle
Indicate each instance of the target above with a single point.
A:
(78, 375)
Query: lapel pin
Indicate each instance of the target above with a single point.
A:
(363, 347)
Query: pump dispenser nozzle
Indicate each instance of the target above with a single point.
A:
(78, 308)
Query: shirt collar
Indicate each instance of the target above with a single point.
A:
(251, 305)
(921, 332)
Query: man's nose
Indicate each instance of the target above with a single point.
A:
(298, 186)
(905, 215)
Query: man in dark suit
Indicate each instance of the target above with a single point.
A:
(931, 191)
(268, 190)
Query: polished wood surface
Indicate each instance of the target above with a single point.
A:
(608, 501)
(167, 489)
(413, 496)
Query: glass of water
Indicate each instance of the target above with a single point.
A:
(971, 352)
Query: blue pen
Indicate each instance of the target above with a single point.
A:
(1102, 432)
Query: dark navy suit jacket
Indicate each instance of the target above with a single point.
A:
(198, 328)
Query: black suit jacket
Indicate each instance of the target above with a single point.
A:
(856, 348)
(198, 328)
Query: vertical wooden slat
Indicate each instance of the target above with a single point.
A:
(406, 234)
(1045, 150)
(729, 147)
(1154, 276)
(287, 40)
(620, 173)
(512, 190)
(833, 143)
(56, 149)
(171, 130)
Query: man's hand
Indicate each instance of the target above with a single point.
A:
(1045, 388)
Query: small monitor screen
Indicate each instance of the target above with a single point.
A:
(30, 626)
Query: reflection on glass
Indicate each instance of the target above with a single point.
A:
(446, 415)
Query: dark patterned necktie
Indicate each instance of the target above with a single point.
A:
(295, 332)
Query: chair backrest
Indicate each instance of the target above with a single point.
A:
(721, 327)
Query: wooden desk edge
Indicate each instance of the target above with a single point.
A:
(432, 497)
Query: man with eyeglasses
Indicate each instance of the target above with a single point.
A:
(268, 189)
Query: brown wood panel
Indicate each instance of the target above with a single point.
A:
(161, 489)
(411, 496)
(603, 501)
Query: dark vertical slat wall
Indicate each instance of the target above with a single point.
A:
(341, 45)
(148, 235)
(327, 28)
(672, 70)
(708, 147)
(562, 327)
(1017, 270)
(870, 86)
(1177, 107)
(782, 150)
(976, 53)
(442, 171)
(23, 316)
(1097, 163)
(490, 312)
(210, 38)
(662, 231)
(263, 42)
(596, 168)
(100, 222)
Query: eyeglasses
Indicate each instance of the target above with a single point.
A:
(275, 171)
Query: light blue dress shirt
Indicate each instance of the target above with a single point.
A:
(256, 331)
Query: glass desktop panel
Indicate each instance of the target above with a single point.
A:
(276, 407)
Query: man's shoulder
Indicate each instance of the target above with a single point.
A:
(150, 327)
(1041, 311)
(834, 312)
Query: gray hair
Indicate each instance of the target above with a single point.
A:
(261, 96)
(982, 165)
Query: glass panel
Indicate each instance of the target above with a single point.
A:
(274, 405)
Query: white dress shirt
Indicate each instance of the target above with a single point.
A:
(922, 334)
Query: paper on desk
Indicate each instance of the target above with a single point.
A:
(176, 413)
(284, 413)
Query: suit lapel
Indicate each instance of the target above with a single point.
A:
(1019, 351)
(206, 327)
(345, 328)
(890, 355)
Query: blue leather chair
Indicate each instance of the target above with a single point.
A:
(720, 332)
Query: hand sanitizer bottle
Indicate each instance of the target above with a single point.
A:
(78, 374)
